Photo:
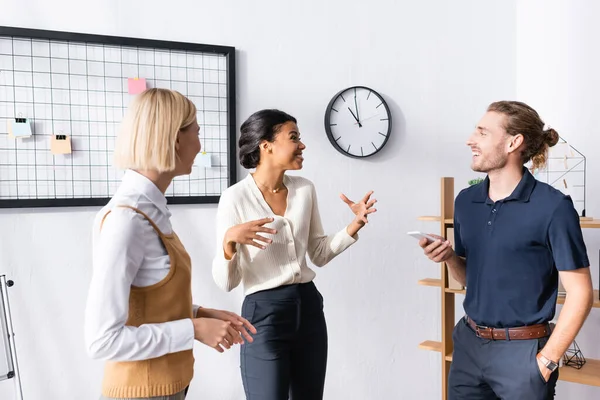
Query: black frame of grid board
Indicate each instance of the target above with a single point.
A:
(227, 51)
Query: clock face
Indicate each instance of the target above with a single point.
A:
(358, 122)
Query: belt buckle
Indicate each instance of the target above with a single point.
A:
(478, 328)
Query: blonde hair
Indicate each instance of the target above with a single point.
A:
(148, 132)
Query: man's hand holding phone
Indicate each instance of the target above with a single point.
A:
(435, 247)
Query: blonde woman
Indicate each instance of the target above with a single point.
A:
(139, 315)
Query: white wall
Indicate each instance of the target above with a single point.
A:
(557, 72)
(438, 64)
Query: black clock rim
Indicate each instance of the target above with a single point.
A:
(328, 120)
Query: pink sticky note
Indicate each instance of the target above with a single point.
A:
(136, 85)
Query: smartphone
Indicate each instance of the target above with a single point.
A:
(420, 235)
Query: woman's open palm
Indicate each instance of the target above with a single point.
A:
(361, 209)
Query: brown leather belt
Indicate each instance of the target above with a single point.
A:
(520, 333)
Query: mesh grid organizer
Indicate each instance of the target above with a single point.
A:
(566, 171)
(62, 97)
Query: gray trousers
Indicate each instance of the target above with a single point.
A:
(485, 369)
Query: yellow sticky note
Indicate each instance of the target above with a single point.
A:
(60, 144)
(9, 129)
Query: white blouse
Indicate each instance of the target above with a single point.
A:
(299, 232)
(128, 251)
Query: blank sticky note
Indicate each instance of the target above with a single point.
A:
(19, 127)
(136, 85)
(60, 144)
(204, 160)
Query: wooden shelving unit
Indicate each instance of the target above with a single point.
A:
(589, 374)
(438, 283)
(594, 223)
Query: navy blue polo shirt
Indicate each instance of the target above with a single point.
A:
(514, 248)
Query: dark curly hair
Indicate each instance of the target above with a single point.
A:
(262, 125)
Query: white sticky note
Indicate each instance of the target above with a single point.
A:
(204, 159)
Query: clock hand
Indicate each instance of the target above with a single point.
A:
(351, 112)
(368, 118)
(356, 106)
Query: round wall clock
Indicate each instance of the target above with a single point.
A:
(358, 122)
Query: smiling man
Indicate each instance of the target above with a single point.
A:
(514, 237)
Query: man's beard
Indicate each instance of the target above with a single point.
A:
(490, 162)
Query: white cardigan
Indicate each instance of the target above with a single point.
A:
(284, 260)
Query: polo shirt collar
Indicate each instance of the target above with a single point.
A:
(522, 192)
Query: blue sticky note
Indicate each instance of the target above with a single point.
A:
(20, 127)
(204, 160)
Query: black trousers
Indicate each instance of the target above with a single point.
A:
(484, 369)
(288, 357)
